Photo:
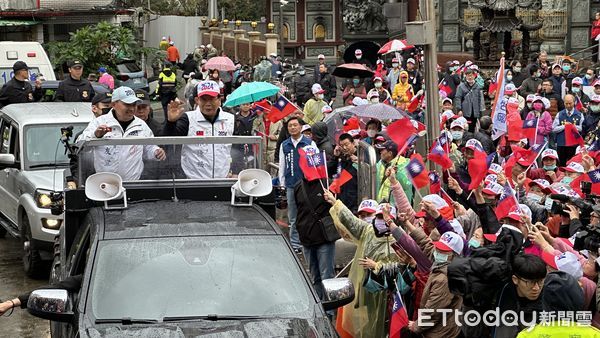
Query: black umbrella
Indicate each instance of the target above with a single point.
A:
(368, 48)
(350, 70)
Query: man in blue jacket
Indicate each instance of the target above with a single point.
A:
(569, 115)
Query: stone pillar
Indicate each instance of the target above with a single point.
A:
(252, 36)
(203, 30)
(39, 33)
(578, 35)
(396, 15)
(450, 15)
(237, 34)
(213, 31)
(271, 43)
(224, 32)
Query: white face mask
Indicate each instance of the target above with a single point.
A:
(358, 57)
(320, 96)
(375, 100)
(378, 84)
(371, 133)
(395, 65)
(457, 135)
(369, 219)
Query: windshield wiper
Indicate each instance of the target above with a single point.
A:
(49, 164)
(126, 321)
(212, 317)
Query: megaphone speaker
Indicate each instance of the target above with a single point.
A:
(255, 182)
(104, 187)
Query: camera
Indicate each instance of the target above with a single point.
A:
(559, 206)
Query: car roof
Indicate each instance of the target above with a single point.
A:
(53, 84)
(164, 218)
(49, 112)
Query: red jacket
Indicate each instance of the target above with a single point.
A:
(595, 29)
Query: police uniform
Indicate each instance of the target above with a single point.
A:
(71, 90)
(15, 91)
(167, 88)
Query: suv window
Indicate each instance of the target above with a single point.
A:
(10, 139)
(5, 132)
(128, 67)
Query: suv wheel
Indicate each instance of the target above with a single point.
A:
(32, 261)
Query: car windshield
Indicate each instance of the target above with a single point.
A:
(198, 276)
(43, 147)
(128, 67)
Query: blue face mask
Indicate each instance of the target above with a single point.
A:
(439, 257)
(355, 81)
(567, 180)
(550, 167)
(473, 243)
(566, 68)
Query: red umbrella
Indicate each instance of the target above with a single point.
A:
(394, 46)
(350, 70)
(221, 63)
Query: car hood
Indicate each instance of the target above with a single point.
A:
(48, 179)
(279, 327)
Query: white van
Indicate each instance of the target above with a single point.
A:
(31, 52)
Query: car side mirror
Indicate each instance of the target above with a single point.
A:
(338, 292)
(51, 304)
(7, 160)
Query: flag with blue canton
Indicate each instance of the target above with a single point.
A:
(312, 163)
(506, 202)
(530, 130)
(594, 176)
(417, 172)
(435, 185)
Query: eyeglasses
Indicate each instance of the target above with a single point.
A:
(531, 283)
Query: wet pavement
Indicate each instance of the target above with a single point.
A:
(13, 282)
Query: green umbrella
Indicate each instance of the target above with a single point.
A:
(250, 92)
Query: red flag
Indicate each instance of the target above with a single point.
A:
(506, 202)
(337, 184)
(446, 198)
(493, 87)
(444, 87)
(409, 93)
(417, 172)
(399, 318)
(530, 130)
(281, 108)
(572, 136)
(262, 106)
(415, 103)
(438, 153)
(435, 185)
(401, 131)
(477, 169)
(578, 104)
(312, 163)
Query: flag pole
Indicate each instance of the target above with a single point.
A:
(537, 156)
(326, 172)
(537, 123)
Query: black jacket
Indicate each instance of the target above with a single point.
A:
(302, 88)
(321, 138)
(189, 66)
(349, 191)
(155, 126)
(71, 90)
(240, 152)
(15, 91)
(310, 212)
(327, 82)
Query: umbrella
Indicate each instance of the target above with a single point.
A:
(394, 46)
(251, 92)
(350, 70)
(380, 111)
(369, 49)
(222, 63)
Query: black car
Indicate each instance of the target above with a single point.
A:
(181, 267)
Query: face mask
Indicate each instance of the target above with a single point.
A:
(378, 84)
(489, 200)
(371, 133)
(105, 110)
(473, 243)
(566, 68)
(320, 96)
(509, 77)
(538, 106)
(301, 72)
(374, 100)
(457, 135)
(358, 57)
(595, 108)
(517, 69)
(355, 82)
(529, 105)
(567, 180)
(369, 219)
(471, 82)
(535, 198)
(439, 257)
(549, 167)
(588, 76)
(395, 65)
(538, 74)
(576, 90)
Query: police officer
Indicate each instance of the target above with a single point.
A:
(75, 88)
(200, 161)
(167, 87)
(18, 89)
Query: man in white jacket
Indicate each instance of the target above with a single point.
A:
(202, 161)
(127, 161)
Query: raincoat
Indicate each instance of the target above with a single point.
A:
(403, 91)
(365, 316)
(383, 184)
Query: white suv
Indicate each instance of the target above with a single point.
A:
(32, 166)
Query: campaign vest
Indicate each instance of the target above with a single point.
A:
(575, 118)
(293, 173)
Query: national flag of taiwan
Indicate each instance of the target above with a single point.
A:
(446, 197)
(578, 103)
(594, 177)
(281, 108)
(336, 185)
(417, 172)
(438, 153)
(477, 169)
(444, 87)
(409, 93)
(506, 202)
(399, 318)
(530, 130)
(572, 136)
(312, 163)
(435, 185)
(401, 131)
(261, 107)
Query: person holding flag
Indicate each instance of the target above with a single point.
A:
(539, 120)
(590, 124)
(345, 155)
(313, 109)
(391, 159)
(403, 91)
(569, 116)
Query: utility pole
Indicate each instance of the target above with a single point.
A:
(281, 44)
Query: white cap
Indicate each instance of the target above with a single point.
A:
(566, 261)
(456, 123)
(463, 121)
(577, 80)
(164, 37)
(531, 97)
(437, 200)
(595, 98)
(510, 88)
(550, 153)
(321, 56)
(546, 102)
(491, 178)
(172, 43)
(124, 94)
(273, 54)
(372, 93)
(379, 210)
(573, 167)
(359, 101)
(493, 188)
(495, 168)
(369, 206)
(457, 227)
(473, 144)
(518, 211)
(411, 60)
(326, 109)
(450, 241)
(305, 128)
(358, 52)
(210, 88)
(317, 89)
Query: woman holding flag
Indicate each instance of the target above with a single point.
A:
(540, 120)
